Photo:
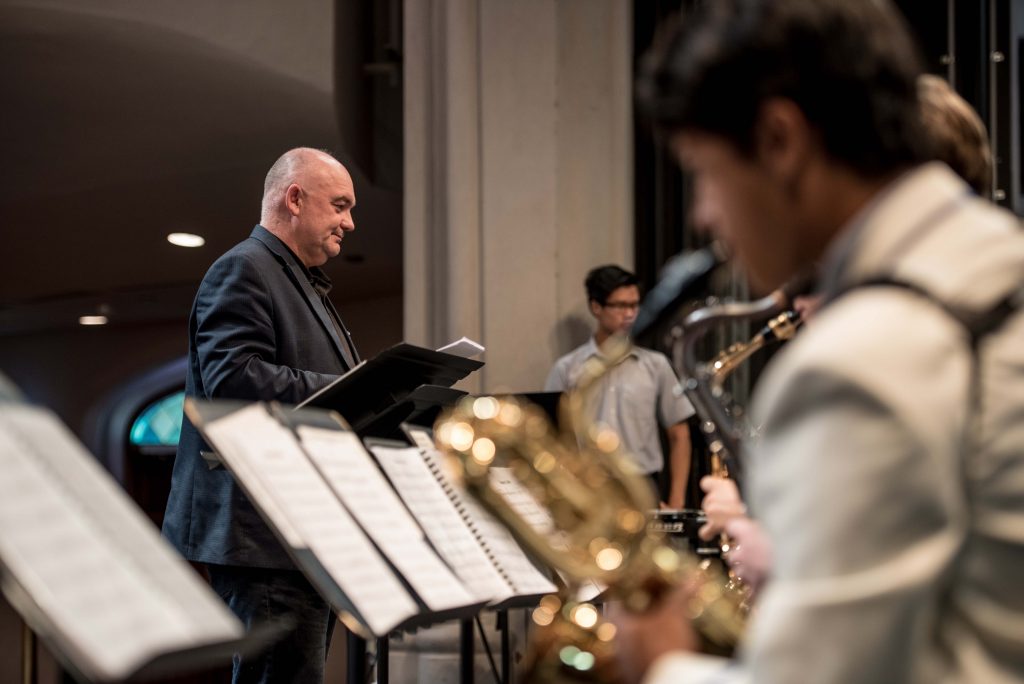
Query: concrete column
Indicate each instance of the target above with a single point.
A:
(518, 174)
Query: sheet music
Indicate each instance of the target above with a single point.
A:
(508, 555)
(116, 593)
(421, 438)
(518, 567)
(590, 589)
(353, 475)
(521, 500)
(257, 447)
(426, 498)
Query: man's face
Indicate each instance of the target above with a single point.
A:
(618, 312)
(743, 205)
(325, 213)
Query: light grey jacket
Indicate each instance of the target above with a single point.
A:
(898, 535)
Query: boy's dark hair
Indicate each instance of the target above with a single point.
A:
(604, 280)
(849, 65)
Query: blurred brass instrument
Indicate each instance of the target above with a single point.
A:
(703, 383)
(598, 501)
(779, 328)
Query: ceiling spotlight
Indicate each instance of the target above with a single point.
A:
(92, 320)
(186, 240)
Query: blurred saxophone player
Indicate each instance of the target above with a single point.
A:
(952, 133)
(890, 475)
(637, 394)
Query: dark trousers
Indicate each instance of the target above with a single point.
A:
(257, 596)
(655, 480)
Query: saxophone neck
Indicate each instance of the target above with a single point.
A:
(779, 328)
(731, 358)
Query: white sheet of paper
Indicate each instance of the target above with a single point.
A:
(421, 438)
(463, 347)
(590, 590)
(255, 446)
(426, 497)
(355, 478)
(117, 593)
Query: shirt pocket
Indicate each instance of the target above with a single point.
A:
(638, 403)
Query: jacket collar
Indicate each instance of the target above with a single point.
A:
(901, 215)
(284, 254)
(310, 281)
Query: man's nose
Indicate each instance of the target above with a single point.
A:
(348, 224)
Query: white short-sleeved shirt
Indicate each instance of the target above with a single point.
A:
(633, 398)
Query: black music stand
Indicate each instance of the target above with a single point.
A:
(205, 414)
(405, 383)
(80, 516)
(547, 401)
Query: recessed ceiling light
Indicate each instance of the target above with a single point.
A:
(186, 240)
(92, 320)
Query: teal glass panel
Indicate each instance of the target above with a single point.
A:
(160, 423)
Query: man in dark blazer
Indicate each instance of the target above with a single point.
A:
(262, 328)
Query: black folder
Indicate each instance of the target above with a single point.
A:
(405, 383)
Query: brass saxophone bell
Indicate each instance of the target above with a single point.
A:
(598, 502)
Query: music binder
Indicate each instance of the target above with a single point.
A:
(502, 543)
(517, 568)
(89, 573)
(357, 545)
(367, 395)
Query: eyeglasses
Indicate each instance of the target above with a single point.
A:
(622, 306)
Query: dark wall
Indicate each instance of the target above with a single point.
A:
(975, 44)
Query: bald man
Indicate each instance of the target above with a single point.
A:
(263, 328)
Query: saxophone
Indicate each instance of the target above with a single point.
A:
(598, 501)
(703, 382)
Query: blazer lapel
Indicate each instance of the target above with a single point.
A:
(299, 280)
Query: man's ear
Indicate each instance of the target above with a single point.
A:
(784, 141)
(293, 199)
(595, 308)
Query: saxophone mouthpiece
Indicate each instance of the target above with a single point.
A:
(802, 283)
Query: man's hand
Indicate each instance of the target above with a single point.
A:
(643, 638)
(751, 554)
(722, 504)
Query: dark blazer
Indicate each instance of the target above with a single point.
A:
(258, 331)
